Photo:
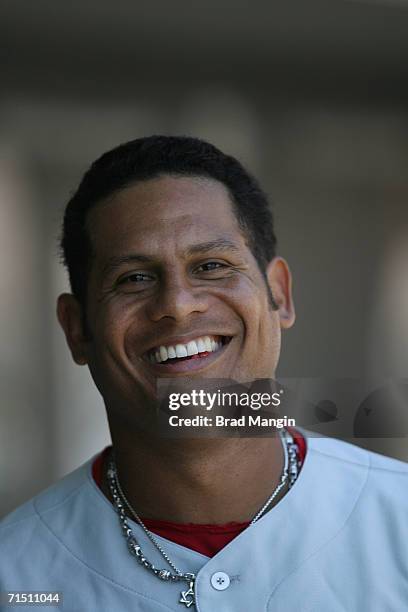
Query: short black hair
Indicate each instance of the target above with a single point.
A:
(151, 157)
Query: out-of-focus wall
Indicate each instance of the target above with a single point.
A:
(331, 155)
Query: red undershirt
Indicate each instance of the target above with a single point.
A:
(205, 539)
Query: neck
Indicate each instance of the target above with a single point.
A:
(202, 481)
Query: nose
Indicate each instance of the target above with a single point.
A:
(177, 299)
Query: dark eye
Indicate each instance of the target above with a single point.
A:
(210, 266)
(135, 277)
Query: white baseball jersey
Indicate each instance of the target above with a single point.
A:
(337, 541)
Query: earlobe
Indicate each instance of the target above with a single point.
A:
(69, 313)
(280, 282)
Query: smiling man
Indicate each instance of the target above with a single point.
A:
(170, 249)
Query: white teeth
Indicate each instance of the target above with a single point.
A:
(163, 353)
(192, 348)
(200, 345)
(181, 350)
(207, 343)
(171, 352)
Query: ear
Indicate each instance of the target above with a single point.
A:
(69, 313)
(280, 282)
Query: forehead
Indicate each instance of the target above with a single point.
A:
(161, 211)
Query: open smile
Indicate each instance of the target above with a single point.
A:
(191, 355)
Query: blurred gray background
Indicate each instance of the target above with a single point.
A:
(311, 96)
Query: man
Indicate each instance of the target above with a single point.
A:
(170, 250)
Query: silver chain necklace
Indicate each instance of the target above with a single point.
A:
(187, 597)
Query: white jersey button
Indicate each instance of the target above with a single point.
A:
(220, 581)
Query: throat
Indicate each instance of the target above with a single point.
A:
(227, 483)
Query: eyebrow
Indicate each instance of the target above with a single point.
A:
(220, 244)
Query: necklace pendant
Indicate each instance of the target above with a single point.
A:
(187, 597)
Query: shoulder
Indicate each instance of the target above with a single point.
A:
(28, 518)
(385, 478)
(346, 452)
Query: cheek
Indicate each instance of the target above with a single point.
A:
(111, 319)
(260, 348)
(268, 334)
(109, 328)
(262, 332)
(256, 312)
(112, 361)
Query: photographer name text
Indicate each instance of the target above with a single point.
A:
(221, 421)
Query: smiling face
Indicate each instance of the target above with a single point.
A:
(174, 291)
